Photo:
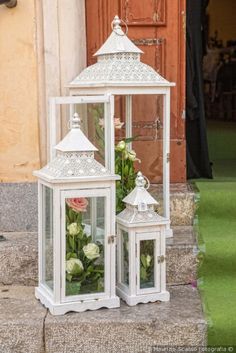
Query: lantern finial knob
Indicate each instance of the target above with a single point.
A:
(75, 123)
(116, 23)
(141, 181)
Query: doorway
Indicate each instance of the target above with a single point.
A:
(219, 79)
(211, 89)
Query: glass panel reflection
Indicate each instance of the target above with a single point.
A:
(147, 264)
(47, 223)
(85, 230)
(93, 126)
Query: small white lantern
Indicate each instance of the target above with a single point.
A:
(141, 248)
(76, 228)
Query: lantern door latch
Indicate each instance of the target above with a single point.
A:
(111, 239)
(161, 259)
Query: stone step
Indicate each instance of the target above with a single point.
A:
(183, 202)
(181, 256)
(18, 205)
(27, 327)
(19, 258)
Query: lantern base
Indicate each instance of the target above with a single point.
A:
(63, 308)
(143, 298)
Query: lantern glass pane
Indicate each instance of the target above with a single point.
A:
(47, 230)
(93, 126)
(147, 264)
(125, 258)
(85, 233)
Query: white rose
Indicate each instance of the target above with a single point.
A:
(74, 266)
(121, 146)
(73, 228)
(91, 251)
(148, 260)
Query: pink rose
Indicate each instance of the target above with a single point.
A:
(118, 123)
(78, 204)
(101, 123)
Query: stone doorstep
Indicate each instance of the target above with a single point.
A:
(27, 327)
(19, 258)
(18, 205)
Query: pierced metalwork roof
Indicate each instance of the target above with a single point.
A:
(75, 140)
(140, 206)
(75, 158)
(118, 63)
(133, 216)
(140, 195)
(74, 164)
(117, 42)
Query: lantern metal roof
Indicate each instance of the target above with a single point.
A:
(139, 206)
(118, 64)
(74, 159)
(140, 194)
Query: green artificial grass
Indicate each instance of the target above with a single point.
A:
(217, 236)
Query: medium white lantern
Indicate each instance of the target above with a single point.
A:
(141, 248)
(76, 228)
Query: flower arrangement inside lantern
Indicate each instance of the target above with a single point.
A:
(84, 247)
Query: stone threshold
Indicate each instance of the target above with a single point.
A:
(27, 327)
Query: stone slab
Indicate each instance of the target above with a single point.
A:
(18, 205)
(27, 327)
(130, 329)
(181, 256)
(182, 203)
(21, 321)
(19, 258)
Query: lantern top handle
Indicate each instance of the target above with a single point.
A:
(142, 181)
(115, 26)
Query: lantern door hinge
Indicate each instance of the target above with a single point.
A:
(161, 259)
(168, 157)
(111, 239)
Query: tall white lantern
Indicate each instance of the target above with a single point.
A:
(141, 248)
(76, 228)
(120, 72)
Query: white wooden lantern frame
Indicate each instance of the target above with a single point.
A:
(132, 294)
(98, 182)
(141, 225)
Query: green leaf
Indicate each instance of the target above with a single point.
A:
(72, 243)
(73, 288)
(130, 139)
(143, 273)
(143, 260)
(69, 277)
(71, 215)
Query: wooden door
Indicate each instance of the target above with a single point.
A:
(158, 28)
